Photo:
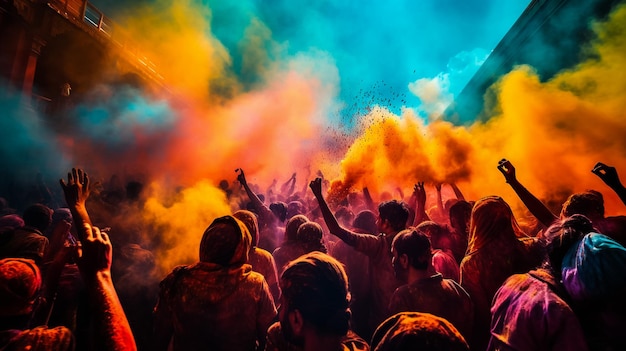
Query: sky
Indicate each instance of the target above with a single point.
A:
(353, 90)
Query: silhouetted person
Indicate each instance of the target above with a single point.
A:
(314, 313)
(28, 241)
(408, 331)
(20, 284)
(260, 260)
(425, 289)
(497, 249)
(218, 303)
(391, 220)
(530, 311)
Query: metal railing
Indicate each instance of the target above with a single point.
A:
(85, 13)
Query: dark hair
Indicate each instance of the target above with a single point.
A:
(435, 231)
(461, 212)
(365, 221)
(291, 229)
(317, 285)
(37, 216)
(395, 212)
(416, 245)
(562, 236)
(589, 203)
(310, 237)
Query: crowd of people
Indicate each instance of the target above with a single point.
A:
(311, 270)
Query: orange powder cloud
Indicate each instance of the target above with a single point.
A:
(553, 132)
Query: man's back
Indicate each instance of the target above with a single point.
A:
(225, 309)
(438, 296)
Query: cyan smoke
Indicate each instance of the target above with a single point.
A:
(378, 47)
(28, 150)
(113, 120)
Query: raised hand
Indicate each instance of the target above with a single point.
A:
(77, 188)
(241, 177)
(95, 251)
(506, 167)
(316, 187)
(608, 174)
(420, 193)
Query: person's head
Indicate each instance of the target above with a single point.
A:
(37, 216)
(560, 237)
(225, 242)
(344, 216)
(315, 298)
(11, 221)
(411, 250)
(492, 220)
(439, 234)
(407, 331)
(291, 229)
(593, 269)
(294, 208)
(249, 219)
(589, 203)
(392, 215)
(20, 281)
(310, 236)
(460, 214)
(279, 209)
(224, 184)
(365, 222)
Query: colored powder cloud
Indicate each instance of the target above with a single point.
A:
(553, 132)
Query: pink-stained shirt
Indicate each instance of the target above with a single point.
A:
(528, 314)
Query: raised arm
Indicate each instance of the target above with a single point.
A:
(76, 192)
(369, 202)
(112, 331)
(263, 211)
(331, 222)
(420, 210)
(609, 176)
(534, 205)
(457, 191)
(289, 186)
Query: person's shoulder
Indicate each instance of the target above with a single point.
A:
(261, 253)
(44, 338)
(353, 342)
(255, 279)
(173, 276)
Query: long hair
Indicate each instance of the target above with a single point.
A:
(492, 220)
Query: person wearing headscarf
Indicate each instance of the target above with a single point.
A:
(261, 260)
(28, 241)
(496, 250)
(20, 283)
(407, 331)
(594, 275)
(218, 303)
